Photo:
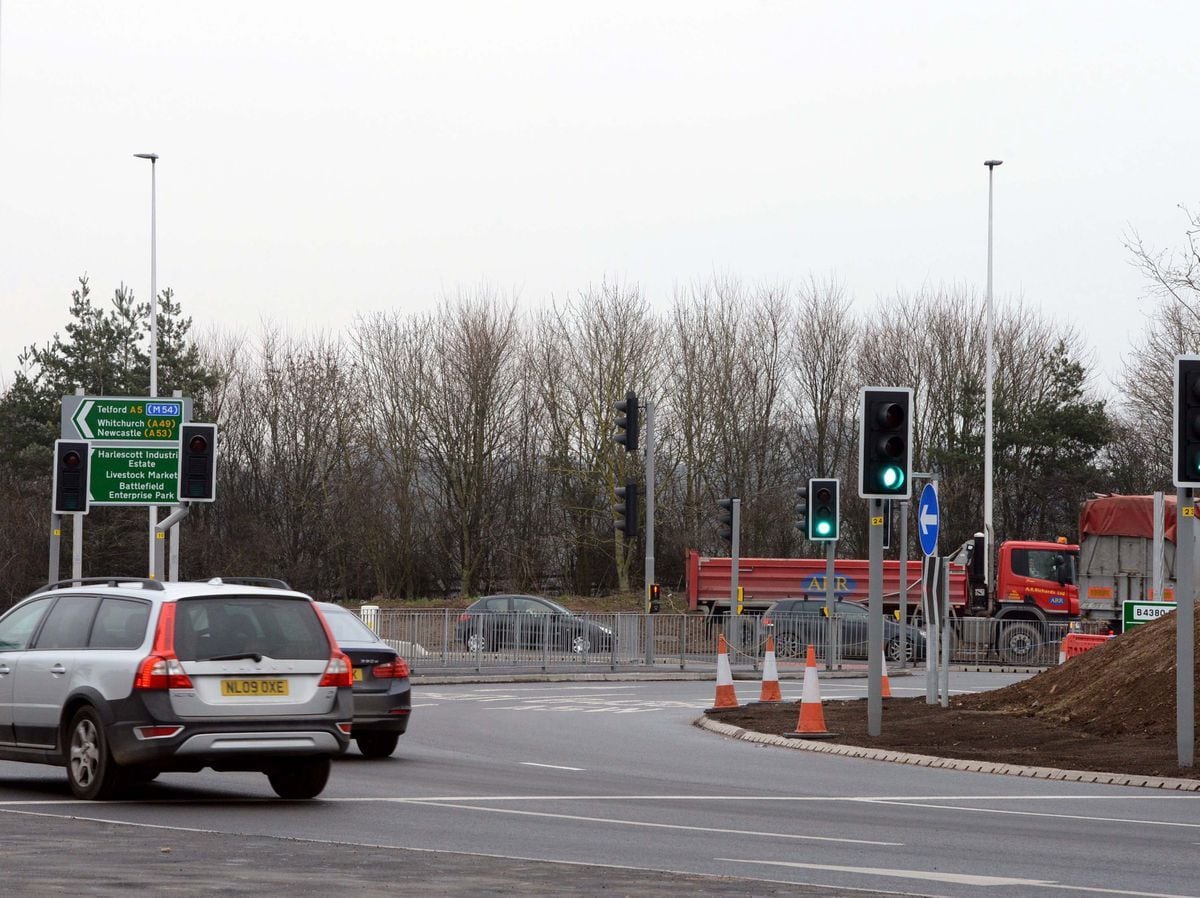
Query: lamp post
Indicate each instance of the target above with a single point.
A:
(153, 157)
(988, 531)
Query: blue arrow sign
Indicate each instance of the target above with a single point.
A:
(927, 519)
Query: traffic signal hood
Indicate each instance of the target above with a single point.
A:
(197, 463)
(824, 509)
(725, 520)
(628, 423)
(70, 488)
(1187, 422)
(885, 443)
(626, 508)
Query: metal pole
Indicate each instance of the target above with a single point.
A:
(176, 531)
(831, 649)
(155, 569)
(1156, 584)
(160, 533)
(76, 546)
(1185, 615)
(55, 545)
(735, 536)
(875, 620)
(929, 593)
(649, 499)
(988, 530)
(904, 583)
(944, 615)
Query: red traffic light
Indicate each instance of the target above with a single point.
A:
(198, 444)
(71, 459)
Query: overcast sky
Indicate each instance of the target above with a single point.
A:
(324, 159)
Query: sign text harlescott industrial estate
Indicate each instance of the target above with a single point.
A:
(134, 475)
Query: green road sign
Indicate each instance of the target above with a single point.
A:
(124, 418)
(1134, 614)
(134, 475)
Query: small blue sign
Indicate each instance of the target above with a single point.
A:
(928, 518)
(164, 409)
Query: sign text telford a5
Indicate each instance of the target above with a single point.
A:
(124, 418)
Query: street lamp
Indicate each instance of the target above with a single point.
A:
(153, 157)
(989, 530)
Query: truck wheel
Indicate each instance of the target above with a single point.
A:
(1020, 643)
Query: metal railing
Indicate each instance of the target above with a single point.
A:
(449, 639)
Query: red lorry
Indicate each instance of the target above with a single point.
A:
(1035, 583)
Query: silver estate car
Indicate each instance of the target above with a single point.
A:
(120, 679)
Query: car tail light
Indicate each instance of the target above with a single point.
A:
(162, 669)
(767, 622)
(338, 671)
(396, 670)
(345, 727)
(464, 617)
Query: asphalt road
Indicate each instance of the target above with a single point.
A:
(572, 788)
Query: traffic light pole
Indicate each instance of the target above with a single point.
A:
(875, 619)
(55, 546)
(160, 533)
(831, 649)
(904, 582)
(1185, 615)
(649, 500)
(735, 538)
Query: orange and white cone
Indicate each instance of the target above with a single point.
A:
(770, 694)
(811, 724)
(726, 697)
(886, 692)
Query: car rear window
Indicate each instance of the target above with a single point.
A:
(347, 626)
(275, 626)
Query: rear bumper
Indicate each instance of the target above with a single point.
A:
(226, 744)
(383, 712)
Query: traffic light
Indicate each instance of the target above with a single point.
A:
(197, 462)
(70, 489)
(655, 606)
(626, 508)
(1187, 421)
(823, 511)
(627, 424)
(885, 443)
(802, 509)
(725, 519)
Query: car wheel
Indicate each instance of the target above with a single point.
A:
(896, 654)
(1019, 643)
(581, 644)
(476, 642)
(300, 779)
(787, 645)
(91, 770)
(377, 745)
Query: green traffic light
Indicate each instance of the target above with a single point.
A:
(824, 528)
(892, 477)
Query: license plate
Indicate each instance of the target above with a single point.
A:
(358, 674)
(255, 687)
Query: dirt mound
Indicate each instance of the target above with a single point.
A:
(1111, 709)
(1126, 685)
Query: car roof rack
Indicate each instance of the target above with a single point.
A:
(270, 582)
(144, 582)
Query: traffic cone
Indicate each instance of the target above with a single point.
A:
(726, 699)
(887, 687)
(770, 694)
(811, 724)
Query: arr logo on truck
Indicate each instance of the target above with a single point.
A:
(842, 585)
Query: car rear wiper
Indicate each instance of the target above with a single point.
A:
(239, 656)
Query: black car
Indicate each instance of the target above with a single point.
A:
(529, 622)
(382, 693)
(798, 623)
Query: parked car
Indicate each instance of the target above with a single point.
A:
(120, 679)
(798, 623)
(529, 622)
(382, 694)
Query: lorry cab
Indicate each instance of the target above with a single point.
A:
(1030, 574)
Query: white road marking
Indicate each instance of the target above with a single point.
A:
(641, 823)
(951, 807)
(551, 766)
(959, 878)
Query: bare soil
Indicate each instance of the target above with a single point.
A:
(1110, 709)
